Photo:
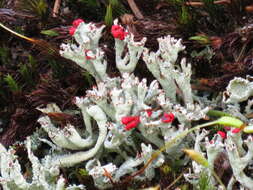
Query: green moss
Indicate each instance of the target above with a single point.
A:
(12, 84)
(204, 182)
(36, 7)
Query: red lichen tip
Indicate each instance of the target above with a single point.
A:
(149, 112)
(89, 54)
(222, 134)
(227, 128)
(125, 120)
(131, 125)
(118, 32)
(236, 130)
(72, 31)
(76, 22)
(130, 122)
(168, 117)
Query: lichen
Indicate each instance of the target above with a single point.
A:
(126, 119)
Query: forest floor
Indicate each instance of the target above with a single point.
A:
(218, 36)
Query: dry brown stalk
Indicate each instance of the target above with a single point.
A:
(199, 4)
(135, 9)
(56, 8)
(249, 8)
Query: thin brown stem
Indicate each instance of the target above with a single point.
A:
(56, 8)
(200, 4)
(135, 9)
(175, 181)
(249, 8)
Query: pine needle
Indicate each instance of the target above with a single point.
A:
(41, 45)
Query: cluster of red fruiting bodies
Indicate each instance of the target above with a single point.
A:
(116, 30)
(75, 24)
(224, 134)
(132, 122)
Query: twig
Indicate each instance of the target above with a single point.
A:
(239, 57)
(218, 179)
(175, 181)
(194, 4)
(222, 2)
(42, 45)
(199, 4)
(56, 8)
(135, 9)
(249, 8)
(107, 174)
